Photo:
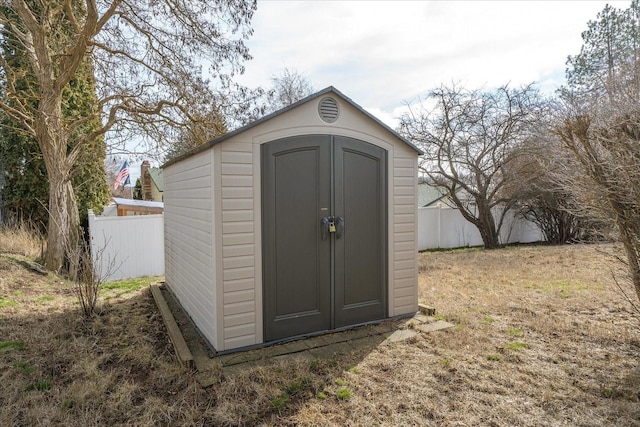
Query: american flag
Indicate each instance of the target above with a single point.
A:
(123, 176)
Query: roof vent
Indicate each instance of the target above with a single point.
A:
(328, 110)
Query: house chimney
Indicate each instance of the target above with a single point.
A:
(145, 180)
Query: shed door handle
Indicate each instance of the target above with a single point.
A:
(324, 224)
(339, 227)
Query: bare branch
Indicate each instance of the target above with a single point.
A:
(469, 138)
(157, 65)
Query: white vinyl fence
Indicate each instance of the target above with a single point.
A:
(133, 246)
(444, 227)
(124, 247)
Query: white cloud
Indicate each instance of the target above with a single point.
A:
(382, 53)
(385, 117)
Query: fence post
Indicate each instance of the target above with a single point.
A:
(439, 225)
(92, 227)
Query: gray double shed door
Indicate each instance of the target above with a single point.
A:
(324, 234)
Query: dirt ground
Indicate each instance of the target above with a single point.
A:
(543, 337)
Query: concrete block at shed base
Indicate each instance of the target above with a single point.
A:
(436, 326)
(426, 310)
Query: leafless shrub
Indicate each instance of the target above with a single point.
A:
(599, 126)
(87, 285)
(543, 196)
(86, 276)
(605, 173)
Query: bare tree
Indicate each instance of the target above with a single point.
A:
(155, 65)
(288, 87)
(469, 138)
(195, 135)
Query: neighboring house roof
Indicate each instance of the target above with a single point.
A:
(428, 194)
(323, 92)
(137, 203)
(125, 207)
(157, 178)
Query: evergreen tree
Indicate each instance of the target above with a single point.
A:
(25, 193)
(88, 173)
(608, 60)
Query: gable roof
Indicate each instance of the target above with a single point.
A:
(429, 194)
(157, 178)
(332, 90)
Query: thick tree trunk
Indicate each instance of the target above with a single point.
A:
(63, 231)
(63, 234)
(487, 228)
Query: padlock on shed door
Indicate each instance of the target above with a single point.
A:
(332, 227)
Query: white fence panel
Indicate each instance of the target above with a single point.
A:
(455, 231)
(442, 226)
(124, 247)
(519, 230)
(428, 228)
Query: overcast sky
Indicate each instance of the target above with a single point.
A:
(383, 53)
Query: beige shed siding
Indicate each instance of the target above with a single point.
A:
(238, 244)
(404, 245)
(213, 208)
(189, 250)
(240, 218)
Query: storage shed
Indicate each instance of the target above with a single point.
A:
(302, 222)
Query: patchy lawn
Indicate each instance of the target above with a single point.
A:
(543, 337)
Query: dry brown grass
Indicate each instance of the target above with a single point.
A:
(22, 239)
(543, 337)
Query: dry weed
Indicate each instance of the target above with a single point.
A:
(543, 337)
(22, 239)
